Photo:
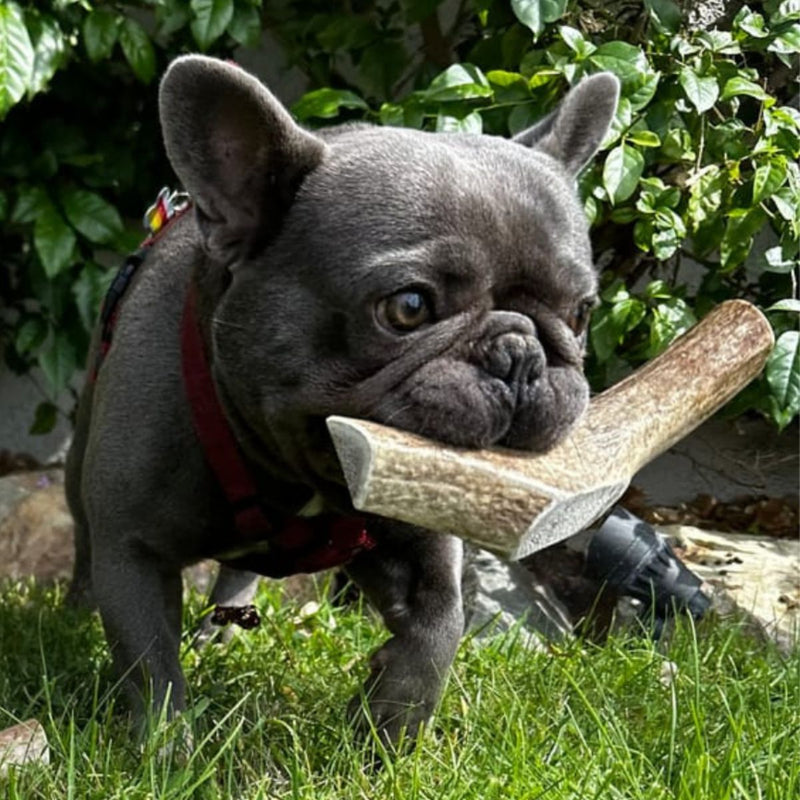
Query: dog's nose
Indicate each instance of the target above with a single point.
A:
(510, 350)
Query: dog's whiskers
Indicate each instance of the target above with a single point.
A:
(223, 323)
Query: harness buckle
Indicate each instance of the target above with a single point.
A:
(167, 205)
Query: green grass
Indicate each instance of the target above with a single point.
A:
(580, 722)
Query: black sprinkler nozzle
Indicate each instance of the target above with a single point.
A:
(632, 558)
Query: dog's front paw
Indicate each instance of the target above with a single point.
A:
(397, 699)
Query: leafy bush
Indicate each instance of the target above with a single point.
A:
(696, 197)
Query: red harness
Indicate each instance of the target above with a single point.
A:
(302, 544)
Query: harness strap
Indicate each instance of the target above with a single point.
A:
(213, 431)
(301, 544)
(168, 207)
(110, 308)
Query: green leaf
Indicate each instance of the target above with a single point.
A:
(640, 95)
(738, 86)
(788, 42)
(542, 76)
(644, 138)
(58, 361)
(451, 123)
(668, 233)
(787, 304)
(619, 124)
(50, 51)
(767, 179)
(621, 172)
(719, 42)
(533, 14)
(30, 335)
(245, 26)
(574, 39)
(656, 195)
(325, 103)
(783, 375)
(670, 319)
(88, 213)
(780, 118)
(509, 87)
(623, 215)
(45, 419)
(523, 117)
(89, 290)
(31, 201)
(591, 209)
(610, 325)
(211, 17)
(785, 201)
(787, 10)
(677, 145)
(3, 205)
(659, 290)
(616, 292)
(742, 225)
(750, 22)
(54, 241)
(665, 13)
(407, 115)
(702, 92)
(16, 57)
(171, 16)
(458, 82)
(775, 259)
(138, 50)
(626, 61)
(100, 31)
(705, 194)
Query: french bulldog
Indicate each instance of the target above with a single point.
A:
(440, 283)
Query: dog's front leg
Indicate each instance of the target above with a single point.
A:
(414, 580)
(140, 603)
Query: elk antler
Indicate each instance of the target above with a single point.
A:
(515, 503)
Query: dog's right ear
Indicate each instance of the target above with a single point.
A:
(572, 133)
(235, 149)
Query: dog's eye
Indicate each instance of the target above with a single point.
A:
(404, 311)
(580, 317)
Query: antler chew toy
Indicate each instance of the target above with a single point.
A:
(514, 503)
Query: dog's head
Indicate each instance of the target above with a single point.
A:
(439, 283)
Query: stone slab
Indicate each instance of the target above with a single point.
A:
(21, 744)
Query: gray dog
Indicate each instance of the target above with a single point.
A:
(439, 283)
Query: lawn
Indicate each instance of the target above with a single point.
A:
(582, 721)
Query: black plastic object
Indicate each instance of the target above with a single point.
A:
(632, 558)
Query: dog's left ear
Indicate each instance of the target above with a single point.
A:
(235, 149)
(572, 133)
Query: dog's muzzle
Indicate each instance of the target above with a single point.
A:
(510, 349)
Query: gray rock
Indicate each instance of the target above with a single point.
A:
(500, 596)
(25, 743)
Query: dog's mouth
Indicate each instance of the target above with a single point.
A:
(506, 385)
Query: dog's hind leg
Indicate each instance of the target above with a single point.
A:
(140, 602)
(79, 594)
(80, 588)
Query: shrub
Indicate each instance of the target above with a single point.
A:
(694, 199)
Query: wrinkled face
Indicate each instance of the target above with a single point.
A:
(440, 284)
